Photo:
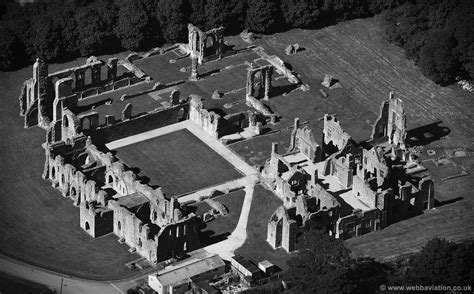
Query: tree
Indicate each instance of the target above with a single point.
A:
(198, 12)
(461, 24)
(95, 25)
(322, 265)
(11, 51)
(300, 13)
(173, 20)
(262, 16)
(47, 39)
(134, 26)
(437, 59)
(442, 263)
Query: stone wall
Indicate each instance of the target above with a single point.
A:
(302, 140)
(359, 223)
(281, 230)
(210, 122)
(391, 123)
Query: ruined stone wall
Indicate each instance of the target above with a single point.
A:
(113, 130)
(391, 122)
(210, 122)
(281, 230)
(374, 165)
(341, 167)
(197, 42)
(334, 133)
(67, 179)
(71, 126)
(131, 230)
(302, 140)
(260, 108)
(359, 223)
(178, 237)
(325, 199)
(362, 190)
(95, 223)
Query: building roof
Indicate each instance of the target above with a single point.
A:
(252, 268)
(265, 264)
(189, 270)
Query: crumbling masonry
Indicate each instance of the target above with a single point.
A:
(348, 188)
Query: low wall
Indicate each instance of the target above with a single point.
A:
(137, 125)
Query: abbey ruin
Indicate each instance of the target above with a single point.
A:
(91, 111)
(351, 188)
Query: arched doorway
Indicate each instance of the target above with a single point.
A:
(87, 226)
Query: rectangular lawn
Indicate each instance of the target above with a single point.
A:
(179, 162)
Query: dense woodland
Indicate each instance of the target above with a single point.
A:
(323, 265)
(64, 30)
(438, 35)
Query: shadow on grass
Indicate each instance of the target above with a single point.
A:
(442, 203)
(282, 90)
(424, 135)
(208, 237)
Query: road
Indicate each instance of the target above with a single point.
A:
(226, 248)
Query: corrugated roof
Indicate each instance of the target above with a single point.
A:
(189, 270)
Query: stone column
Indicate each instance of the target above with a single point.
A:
(194, 71)
(111, 69)
(249, 89)
(95, 74)
(268, 82)
(80, 76)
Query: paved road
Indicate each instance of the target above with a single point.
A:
(226, 248)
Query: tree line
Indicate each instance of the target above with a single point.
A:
(66, 29)
(323, 265)
(437, 34)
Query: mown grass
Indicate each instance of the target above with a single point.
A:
(179, 162)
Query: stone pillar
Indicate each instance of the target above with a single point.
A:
(174, 97)
(194, 71)
(296, 123)
(249, 87)
(220, 41)
(111, 69)
(275, 147)
(80, 80)
(44, 101)
(127, 112)
(95, 74)
(268, 82)
(109, 120)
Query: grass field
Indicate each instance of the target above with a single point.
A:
(256, 248)
(368, 67)
(179, 162)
